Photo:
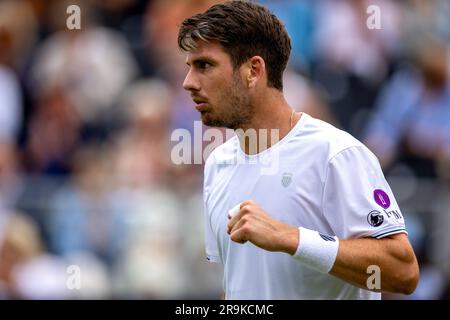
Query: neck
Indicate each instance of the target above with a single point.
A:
(272, 121)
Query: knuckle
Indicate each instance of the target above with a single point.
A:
(246, 209)
(236, 238)
(247, 203)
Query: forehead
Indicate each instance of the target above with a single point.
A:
(208, 50)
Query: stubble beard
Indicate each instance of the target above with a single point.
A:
(235, 109)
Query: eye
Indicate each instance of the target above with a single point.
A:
(203, 65)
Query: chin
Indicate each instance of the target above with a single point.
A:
(208, 121)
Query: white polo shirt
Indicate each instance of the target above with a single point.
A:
(317, 177)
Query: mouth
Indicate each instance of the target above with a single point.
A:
(201, 105)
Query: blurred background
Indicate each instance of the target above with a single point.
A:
(86, 116)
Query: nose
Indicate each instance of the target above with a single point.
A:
(190, 83)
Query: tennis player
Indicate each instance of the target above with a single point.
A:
(326, 222)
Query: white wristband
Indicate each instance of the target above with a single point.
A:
(316, 250)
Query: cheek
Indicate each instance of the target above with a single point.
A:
(218, 90)
(221, 88)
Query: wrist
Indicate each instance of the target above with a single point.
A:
(316, 250)
(290, 240)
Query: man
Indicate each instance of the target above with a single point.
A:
(326, 220)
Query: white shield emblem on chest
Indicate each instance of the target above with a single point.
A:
(286, 179)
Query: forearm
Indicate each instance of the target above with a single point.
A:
(345, 259)
(359, 261)
(394, 258)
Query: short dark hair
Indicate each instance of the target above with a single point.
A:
(244, 29)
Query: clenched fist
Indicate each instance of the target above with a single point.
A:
(252, 223)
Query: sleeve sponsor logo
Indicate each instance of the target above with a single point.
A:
(394, 214)
(381, 198)
(375, 218)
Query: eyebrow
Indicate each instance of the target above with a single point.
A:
(201, 59)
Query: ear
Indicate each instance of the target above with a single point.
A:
(255, 71)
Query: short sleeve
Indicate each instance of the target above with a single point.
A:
(212, 252)
(357, 200)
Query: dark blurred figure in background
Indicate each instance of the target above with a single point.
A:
(351, 61)
(412, 116)
(26, 270)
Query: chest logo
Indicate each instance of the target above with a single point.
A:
(286, 180)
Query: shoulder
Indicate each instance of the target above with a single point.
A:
(339, 151)
(328, 140)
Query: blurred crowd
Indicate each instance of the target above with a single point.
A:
(86, 116)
